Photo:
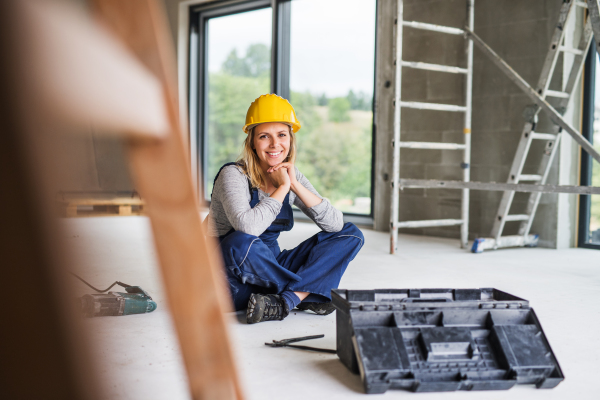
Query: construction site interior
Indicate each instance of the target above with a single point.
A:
(462, 137)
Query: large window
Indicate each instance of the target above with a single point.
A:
(589, 208)
(331, 83)
(321, 57)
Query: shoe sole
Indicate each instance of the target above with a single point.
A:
(317, 311)
(254, 308)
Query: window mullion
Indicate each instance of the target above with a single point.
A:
(280, 51)
(586, 161)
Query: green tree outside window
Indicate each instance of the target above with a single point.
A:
(334, 144)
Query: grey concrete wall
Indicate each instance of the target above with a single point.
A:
(91, 163)
(432, 126)
(172, 8)
(520, 33)
(384, 109)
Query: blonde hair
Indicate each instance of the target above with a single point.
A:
(249, 162)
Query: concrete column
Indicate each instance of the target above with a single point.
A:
(384, 113)
(568, 156)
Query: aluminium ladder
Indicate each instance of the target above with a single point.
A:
(560, 100)
(465, 147)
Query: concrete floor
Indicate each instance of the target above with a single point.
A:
(139, 356)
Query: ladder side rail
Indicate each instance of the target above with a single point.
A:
(464, 229)
(534, 198)
(396, 141)
(577, 65)
(554, 115)
(395, 223)
(525, 142)
(552, 146)
(515, 171)
(553, 52)
(594, 10)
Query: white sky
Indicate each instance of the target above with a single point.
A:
(333, 43)
(236, 31)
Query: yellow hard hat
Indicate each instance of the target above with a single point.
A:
(271, 108)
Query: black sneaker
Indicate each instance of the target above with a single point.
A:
(317, 308)
(266, 307)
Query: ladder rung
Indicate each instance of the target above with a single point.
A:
(582, 4)
(432, 27)
(517, 217)
(554, 93)
(543, 136)
(432, 146)
(534, 178)
(434, 67)
(570, 50)
(432, 106)
(429, 223)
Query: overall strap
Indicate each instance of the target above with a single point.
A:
(227, 165)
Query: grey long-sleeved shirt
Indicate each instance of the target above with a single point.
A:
(230, 206)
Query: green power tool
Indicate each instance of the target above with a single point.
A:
(135, 301)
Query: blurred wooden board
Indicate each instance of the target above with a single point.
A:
(192, 271)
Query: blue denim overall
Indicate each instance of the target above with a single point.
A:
(255, 264)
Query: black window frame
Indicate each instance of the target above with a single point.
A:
(280, 79)
(587, 130)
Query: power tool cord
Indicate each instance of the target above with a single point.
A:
(98, 290)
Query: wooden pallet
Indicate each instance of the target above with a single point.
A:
(70, 207)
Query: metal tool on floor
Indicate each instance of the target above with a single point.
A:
(286, 343)
(135, 301)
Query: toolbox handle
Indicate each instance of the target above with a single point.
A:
(432, 300)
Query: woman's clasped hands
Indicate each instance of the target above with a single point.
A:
(283, 174)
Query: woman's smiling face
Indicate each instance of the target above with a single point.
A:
(272, 143)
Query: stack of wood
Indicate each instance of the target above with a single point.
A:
(81, 204)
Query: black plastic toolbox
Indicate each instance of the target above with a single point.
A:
(433, 340)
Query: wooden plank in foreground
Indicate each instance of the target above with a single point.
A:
(190, 268)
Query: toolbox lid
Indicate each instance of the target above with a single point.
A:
(443, 339)
(401, 299)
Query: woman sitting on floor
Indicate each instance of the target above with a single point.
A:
(252, 203)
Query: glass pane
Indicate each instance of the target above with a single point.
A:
(595, 199)
(239, 70)
(331, 88)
